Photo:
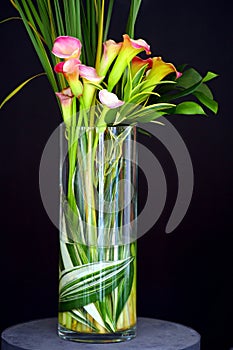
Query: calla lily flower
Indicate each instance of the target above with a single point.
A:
(65, 97)
(109, 99)
(70, 69)
(137, 63)
(111, 50)
(130, 48)
(89, 73)
(159, 70)
(67, 47)
(66, 100)
(90, 77)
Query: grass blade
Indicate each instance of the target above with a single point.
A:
(134, 9)
(21, 86)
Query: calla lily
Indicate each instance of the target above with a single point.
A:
(66, 100)
(67, 47)
(90, 77)
(89, 73)
(130, 48)
(70, 69)
(137, 63)
(159, 70)
(109, 99)
(111, 50)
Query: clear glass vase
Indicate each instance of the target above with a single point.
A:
(98, 228)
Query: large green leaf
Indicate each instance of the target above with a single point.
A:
(189, 78)
(82, 285)
(208, 102)
(189, 108)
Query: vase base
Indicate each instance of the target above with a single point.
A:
(116, 337)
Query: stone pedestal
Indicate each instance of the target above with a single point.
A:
(151, 334)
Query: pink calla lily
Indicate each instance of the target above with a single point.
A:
(109, 99)
(66, 100)
(159, 70)
(111, 50)
(65, 97)
(70, 69)
(138, 44)
(89, 76)
(67, 47)
(130, 48)
(137, 63)
(89, 73)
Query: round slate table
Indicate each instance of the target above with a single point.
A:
(151, 334)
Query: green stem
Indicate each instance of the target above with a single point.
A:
(100, 37)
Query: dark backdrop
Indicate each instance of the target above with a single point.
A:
(184, 277)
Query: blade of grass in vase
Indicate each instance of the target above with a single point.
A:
(39, 47)
(67, 17)
(19, 18)
(78, 21)
(45, 30)
(93, 27)
(73, 19)
(134, 9)
(38, 21)
(100, 35)
(59, 18)
(87, 54)
(10, 19)
(51, 20)
(108, 19)
(14, 92)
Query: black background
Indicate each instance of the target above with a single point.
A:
(185, 276)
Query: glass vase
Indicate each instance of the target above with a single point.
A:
(98, 228)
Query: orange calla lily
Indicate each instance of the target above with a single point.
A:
(130, 48)
(138, 63)
(159, 70)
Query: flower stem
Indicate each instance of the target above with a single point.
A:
(100, 36)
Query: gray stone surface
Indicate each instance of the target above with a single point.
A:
(151, 334)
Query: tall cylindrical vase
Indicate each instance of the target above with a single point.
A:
(98, 228)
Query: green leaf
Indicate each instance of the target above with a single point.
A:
(190, 108)
(138, 76)
(108, 19)
(189, 78)
(82, 285)
(128, 85)
(204, 89)
(209, 76)
(124, 290)
(19, 88)
(208, 102)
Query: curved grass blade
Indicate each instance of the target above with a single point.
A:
(19, 88)
(89, 283)
(9, 19)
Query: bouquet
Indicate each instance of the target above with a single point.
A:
(103, 88)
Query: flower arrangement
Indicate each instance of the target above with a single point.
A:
(103, 89)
